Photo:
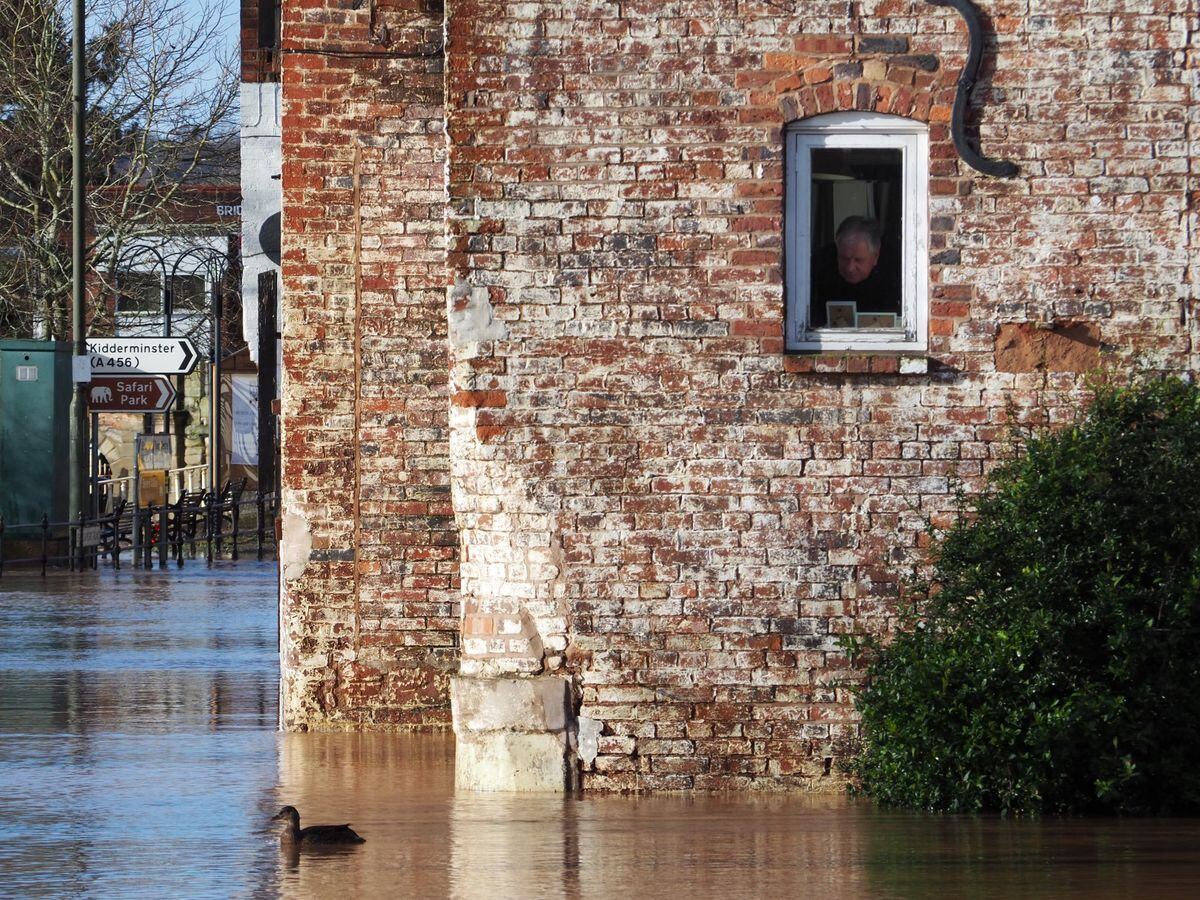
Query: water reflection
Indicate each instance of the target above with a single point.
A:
(427, 841)
(393, 789)
(699, 846)
(398, 792)
(137, 715)
(139, 758)
(990, 857)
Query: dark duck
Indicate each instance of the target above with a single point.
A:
(292, 835)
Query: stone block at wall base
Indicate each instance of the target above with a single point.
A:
(509, 761)
(514, 734)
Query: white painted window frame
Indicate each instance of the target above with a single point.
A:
(848, 131)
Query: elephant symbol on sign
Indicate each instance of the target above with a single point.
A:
(101, 395)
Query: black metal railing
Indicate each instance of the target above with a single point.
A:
(198, 524)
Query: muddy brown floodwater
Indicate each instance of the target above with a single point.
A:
(139, 758)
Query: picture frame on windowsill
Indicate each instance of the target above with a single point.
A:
(875, 320)
(840, 314)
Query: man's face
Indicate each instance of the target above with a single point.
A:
(856, 259)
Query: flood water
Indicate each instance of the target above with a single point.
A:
(139, 758)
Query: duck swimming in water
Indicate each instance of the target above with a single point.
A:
(292, 835)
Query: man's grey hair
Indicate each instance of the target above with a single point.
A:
(868, 229)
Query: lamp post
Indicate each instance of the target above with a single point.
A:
(77, 477)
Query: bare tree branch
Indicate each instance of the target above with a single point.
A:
(162, 94)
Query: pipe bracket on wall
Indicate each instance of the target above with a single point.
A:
(1000, 168)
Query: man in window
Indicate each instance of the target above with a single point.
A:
(848, 272)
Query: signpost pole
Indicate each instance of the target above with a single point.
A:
(180, 429)
(94, 481)
(137, 512)
(214, 417)
(94, 467)
(166, 301)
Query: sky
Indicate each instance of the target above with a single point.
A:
(225, 14)
(229, 15)
(228, 9)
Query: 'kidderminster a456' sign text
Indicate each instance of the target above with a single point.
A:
(148, 356)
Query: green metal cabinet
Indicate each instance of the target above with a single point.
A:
(35, 398)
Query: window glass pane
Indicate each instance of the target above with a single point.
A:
(187, 292)
(138, 292)
(857, 240)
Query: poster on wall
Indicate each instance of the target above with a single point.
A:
(245, 420)
(153, 451)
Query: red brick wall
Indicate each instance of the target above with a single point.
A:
(653, 496)
(364, 453)
(259, 63)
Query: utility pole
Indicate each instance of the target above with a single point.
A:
(78, 476)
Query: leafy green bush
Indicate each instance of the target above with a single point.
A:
(1052, 661)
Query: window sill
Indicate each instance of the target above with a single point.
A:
(856, 341)
(856, 363)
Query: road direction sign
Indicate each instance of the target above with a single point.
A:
(130, 393)
(146, 355)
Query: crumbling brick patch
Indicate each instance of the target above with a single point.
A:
(1033, 347)
(479, 399)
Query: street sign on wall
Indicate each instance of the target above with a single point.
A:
(148, 356)
(130, 393)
